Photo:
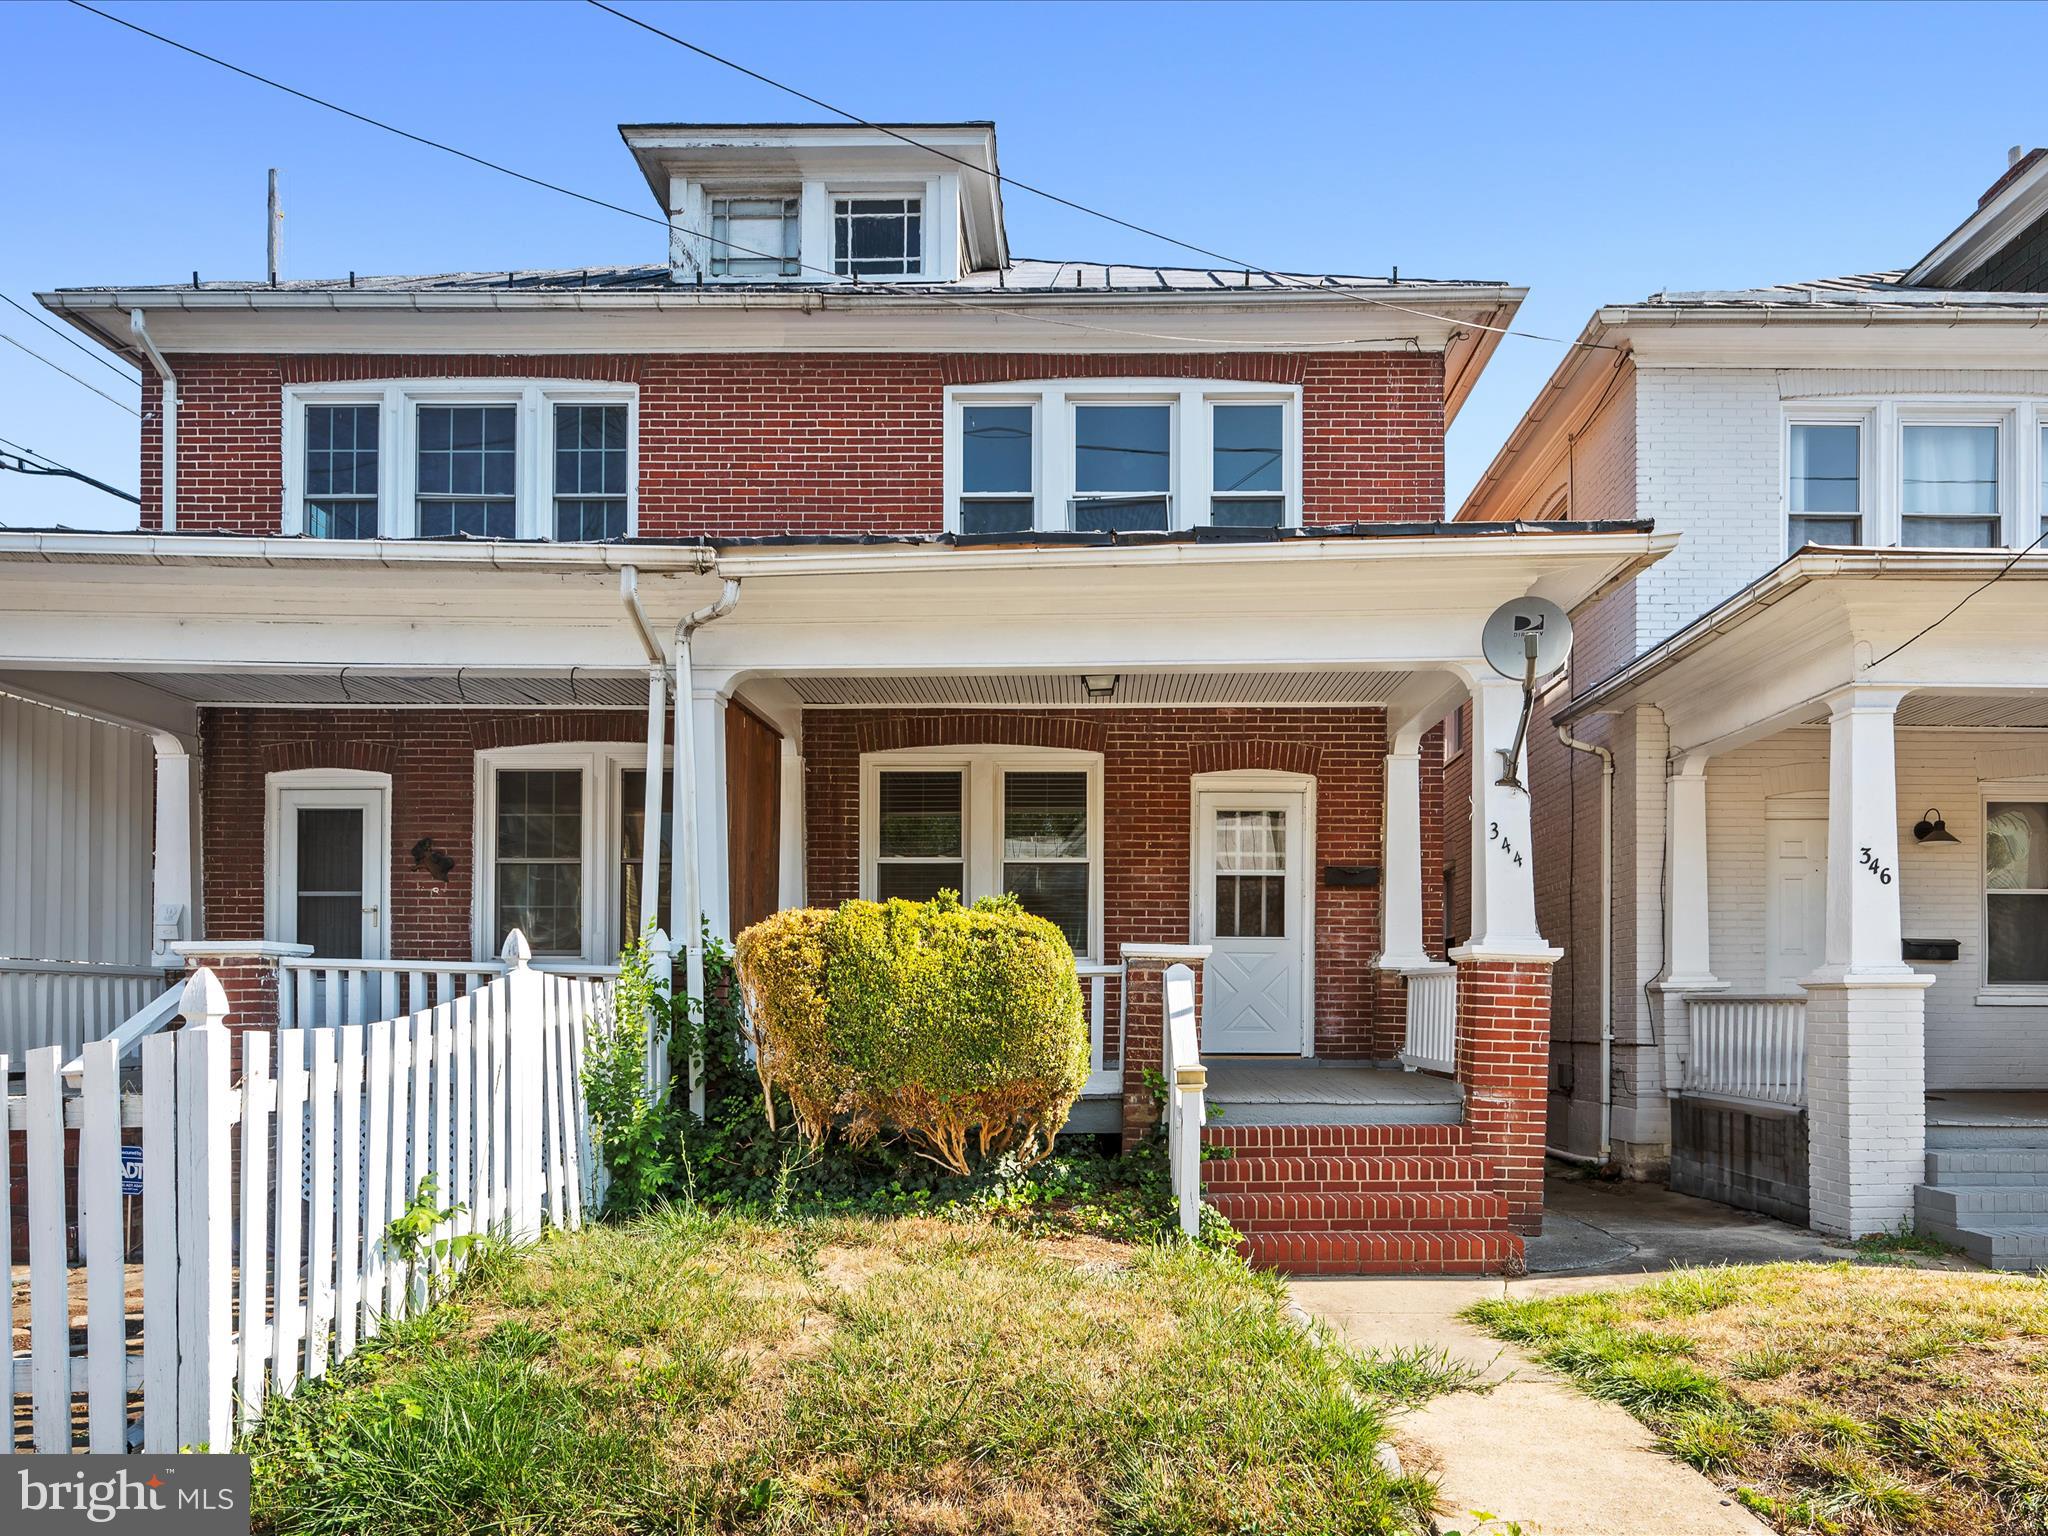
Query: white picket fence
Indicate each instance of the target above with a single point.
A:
(266, 1203)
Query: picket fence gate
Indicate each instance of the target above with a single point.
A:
(266, 1203)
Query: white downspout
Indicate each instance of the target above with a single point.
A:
(169, 434)
(1606, 934)
(657, 716)
(686, 902)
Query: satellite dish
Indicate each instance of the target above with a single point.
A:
(1527, 638)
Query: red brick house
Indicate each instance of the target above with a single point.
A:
(872, 560)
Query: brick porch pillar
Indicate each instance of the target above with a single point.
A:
(248, 972)
(1504, 1062)
(1144, 1033)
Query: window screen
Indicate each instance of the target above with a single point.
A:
(540, 859)
(468, 471)
(341, 471)
(919, 836)
(1045, 849)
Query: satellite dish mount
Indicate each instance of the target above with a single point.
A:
(1528, 639)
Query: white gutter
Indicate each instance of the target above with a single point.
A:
(169, 432)
(188, 549)
(1606, 934)
(686, 900)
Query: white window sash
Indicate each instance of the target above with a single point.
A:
(398, 443)
(1989, 794)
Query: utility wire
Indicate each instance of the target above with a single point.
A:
(43, 462)
(22, 466)
(74, 378)
(1992, 582)
(974, 306)
(1289, 279)
(59, 331)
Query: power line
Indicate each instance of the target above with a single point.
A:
(1992, 582)
(974, 306)
(1339, 294)
(74, 378)
(22, 466)
(62, 334)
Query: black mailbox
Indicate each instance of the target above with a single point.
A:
(1356, 877)
(1932, 949)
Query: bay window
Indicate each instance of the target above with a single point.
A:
(983, 821)
(451, 458)
(1122, 456)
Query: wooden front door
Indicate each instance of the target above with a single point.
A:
(753, 812)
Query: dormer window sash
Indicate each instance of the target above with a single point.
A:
(756, 234)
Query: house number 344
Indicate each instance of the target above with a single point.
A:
(1508, 848)
(1878, 868)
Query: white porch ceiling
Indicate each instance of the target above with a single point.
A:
(564, 690)
(2016, 710)
(1063, 689)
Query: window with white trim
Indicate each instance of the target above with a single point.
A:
(448, 458)
(1948, 496)
(1824, 483)
(878, 235)
(987, 820)
(2016, 893)
(1122, 455)
(756, 235)
(560, 835)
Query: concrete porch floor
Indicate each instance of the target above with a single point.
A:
(1983, 1116)
(1256, 1090)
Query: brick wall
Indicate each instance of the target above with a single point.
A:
(1149, 759)
(1503, 1041)
(807, 442)
(431, 756)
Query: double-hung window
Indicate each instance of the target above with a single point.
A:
(1825, 484)
(1122, 456)
(447, 458)
(1948, 495)
(538, 845)
(2016, 893)
(878, 236)
(756, 235)
(987, 820)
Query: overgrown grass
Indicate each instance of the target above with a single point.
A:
(1839, 1398)
(697, 1372)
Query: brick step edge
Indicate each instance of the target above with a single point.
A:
(1297, 1140)
(1304, 1212)
(1384, 1253)
(1350, 1171)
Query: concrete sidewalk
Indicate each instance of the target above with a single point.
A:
(1536, 1449)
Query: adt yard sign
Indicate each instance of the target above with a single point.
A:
(131, 1170)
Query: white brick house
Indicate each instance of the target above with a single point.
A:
(1808, 985)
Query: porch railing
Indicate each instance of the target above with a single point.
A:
(65, 1003)
(1432, 1040)
(1105, 1047)
(1748, 1049)
(1187, 1084)
(324, 991)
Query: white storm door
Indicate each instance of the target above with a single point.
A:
(1249, 911)
(334, 859)
(1795, 900)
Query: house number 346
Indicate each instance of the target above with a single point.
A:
(1872, 863)
(1508, 848)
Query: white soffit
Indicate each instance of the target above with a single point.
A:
(1133, 689)
(376, 689)
(1967, 711)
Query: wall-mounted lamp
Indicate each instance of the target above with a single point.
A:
(1930, 828)
(1100, 685)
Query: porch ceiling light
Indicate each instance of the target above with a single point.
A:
(1100, 685)
(1930, 828)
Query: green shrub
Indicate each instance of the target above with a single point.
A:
(929, 1018)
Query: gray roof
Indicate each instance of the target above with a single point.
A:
(1881, 290)
(1021, 276)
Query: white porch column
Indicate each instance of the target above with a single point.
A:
(1689, 965)
(1866, 1060)
(1502, 857)
(714, 893)
(171, 895)
(792, 880)
(650, 805)
(1401, 940)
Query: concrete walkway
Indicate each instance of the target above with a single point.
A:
(1535, 1449)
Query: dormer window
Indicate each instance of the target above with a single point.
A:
(878, 236)
(756, 236)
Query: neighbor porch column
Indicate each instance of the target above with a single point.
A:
(650, 804)
(172, 899)
(1403, 948)
(1866, 1055)
(1688, 957)
(1503, 1049)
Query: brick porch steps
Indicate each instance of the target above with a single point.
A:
(1360, 1199)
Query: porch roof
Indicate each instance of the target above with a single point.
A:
(1963, 634)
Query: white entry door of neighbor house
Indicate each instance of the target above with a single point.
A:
(1250, 910)
(1795, 899)
(331, 851)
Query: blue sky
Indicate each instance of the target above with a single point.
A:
(1591, 153)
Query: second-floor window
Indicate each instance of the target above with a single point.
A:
(1122, 455)
(1825, 484)
(1949, 484)
(440, 459)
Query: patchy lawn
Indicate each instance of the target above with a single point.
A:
(1836, 1398)
(698, 1373)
